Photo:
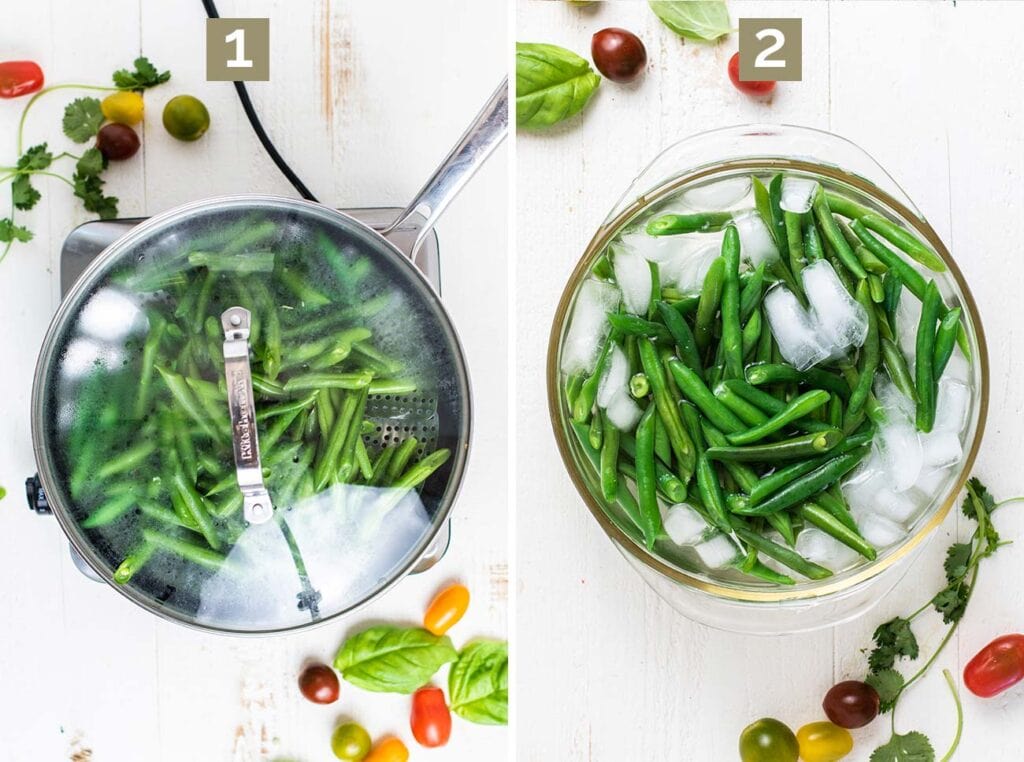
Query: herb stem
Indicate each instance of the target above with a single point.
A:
(50, 89)
(959, 716)
(54, 174)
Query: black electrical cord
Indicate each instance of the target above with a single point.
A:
(257, 126)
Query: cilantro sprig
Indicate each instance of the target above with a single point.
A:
(82, 119)
(895, 641)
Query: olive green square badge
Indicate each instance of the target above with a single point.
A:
(237, 49)
(771, 50)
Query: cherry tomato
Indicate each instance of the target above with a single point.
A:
(823, 742)
(319, 683)
(753, 87)
(431, 721)
(768, 740)
(186, 118)
(350, 742)
(996, 667)
(446, 609)
(117, 141)
(125, 107)
(851, 704)
(618, 54)
(389, 750)
(19, 78)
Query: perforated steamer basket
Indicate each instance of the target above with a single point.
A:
(725, 599)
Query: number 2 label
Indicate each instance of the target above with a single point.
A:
(764, 59)
(771, 49)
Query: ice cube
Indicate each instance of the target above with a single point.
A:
(930, 483)
(897, 405)
(717, 552)
(957, 369)
(941, 449)
(794, 331)
(899, 447)
(908, 316)
(823, 549)
(797, 194)
(695, 266)
(669, 252)
(718, 195)
(865, 483)
(623, 412)
(756, 242)
(951, 406)
(841, 320)
(633, 274)
(684, 525)
(589, 325)
(615, 378)
(111, 315)
(879, 531)
(898, 506)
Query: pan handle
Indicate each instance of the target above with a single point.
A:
(478, 142)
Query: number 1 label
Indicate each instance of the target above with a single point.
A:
(239, 61)
(237, 50)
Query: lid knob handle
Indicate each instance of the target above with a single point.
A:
(256, 505)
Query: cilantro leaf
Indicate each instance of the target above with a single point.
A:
(912, 747)
(893, 639)
(144, 76)
(23, 194)
(10, 232)
(975, 487)
(887, 684)
(36, 158)
(951, 601)
(91, 163)
(958, 557)
(82, 119)
(89, 188)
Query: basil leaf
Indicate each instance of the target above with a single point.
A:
(478, 683)
(390, 659)
(912, 747)
(552, 84)
(694, 19)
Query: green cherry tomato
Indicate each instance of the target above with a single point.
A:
(350, 742)
(186, 118)
(768, 740)
(823, 742)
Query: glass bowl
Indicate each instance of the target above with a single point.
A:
(724, 598)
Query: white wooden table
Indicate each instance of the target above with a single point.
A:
(364, 100)
(932, 92)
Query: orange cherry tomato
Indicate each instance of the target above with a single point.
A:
(389, 750)
(447, 608)
(431, 721)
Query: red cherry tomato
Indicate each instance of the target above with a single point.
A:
(996, 667)
(319, 684)
(753, 87)
(19, 78)
(431, 721)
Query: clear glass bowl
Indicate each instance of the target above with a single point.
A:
(723, 598)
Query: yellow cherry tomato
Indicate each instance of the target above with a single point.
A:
(447, 608)
(823, 742)
(125, 107)
(389, 750)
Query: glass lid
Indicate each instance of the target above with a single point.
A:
(251, 414)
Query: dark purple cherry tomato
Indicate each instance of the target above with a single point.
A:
(618, 54)
(319, 683)
(117, 141)
(851, 704)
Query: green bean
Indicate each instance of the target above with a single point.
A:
(798, 408)
(684, 304)
(309, 296)
(610, 461)
(351, 381)
(771, 483)
(752, 291)
(186, 400)
(702, 222)
(782, 524)
(869, 354)
(380, 466)
(896, 365)
(671, 487)
(197, 509)
(596, 432)
(267, 387)
(662, 447)
(631, 325)
(402, 457)
(110, 510)
(924, 366)
(327, 462)
(301, 403)
(248, 236)
(782, 554)
(683, 337)
(646, 484)
(774, 373)
(751, 336)
(363, 460)
(347, 458)
(186, 450)
(573, 384)
(682, 447)
(133, 562)
(269, 438)
(126, 460)
(826, 522)
(895, 234)
(152, 510)
(810, 484)
(249, 264)
(750, 414)
(711, 494)
(414, 476)
(157, 328)
(760, 571)
(707, 308)
(776, 220)
(189, 551)
(391, 386)
(584, 401)
(813, 248)
(805, 445)
(792, 222)
(875, 288)
(836, 506)
(834, 236)
(732, 336)
(694, 390)
(743, 475)
(945, 339)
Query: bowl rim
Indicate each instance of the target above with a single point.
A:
(600, 240)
